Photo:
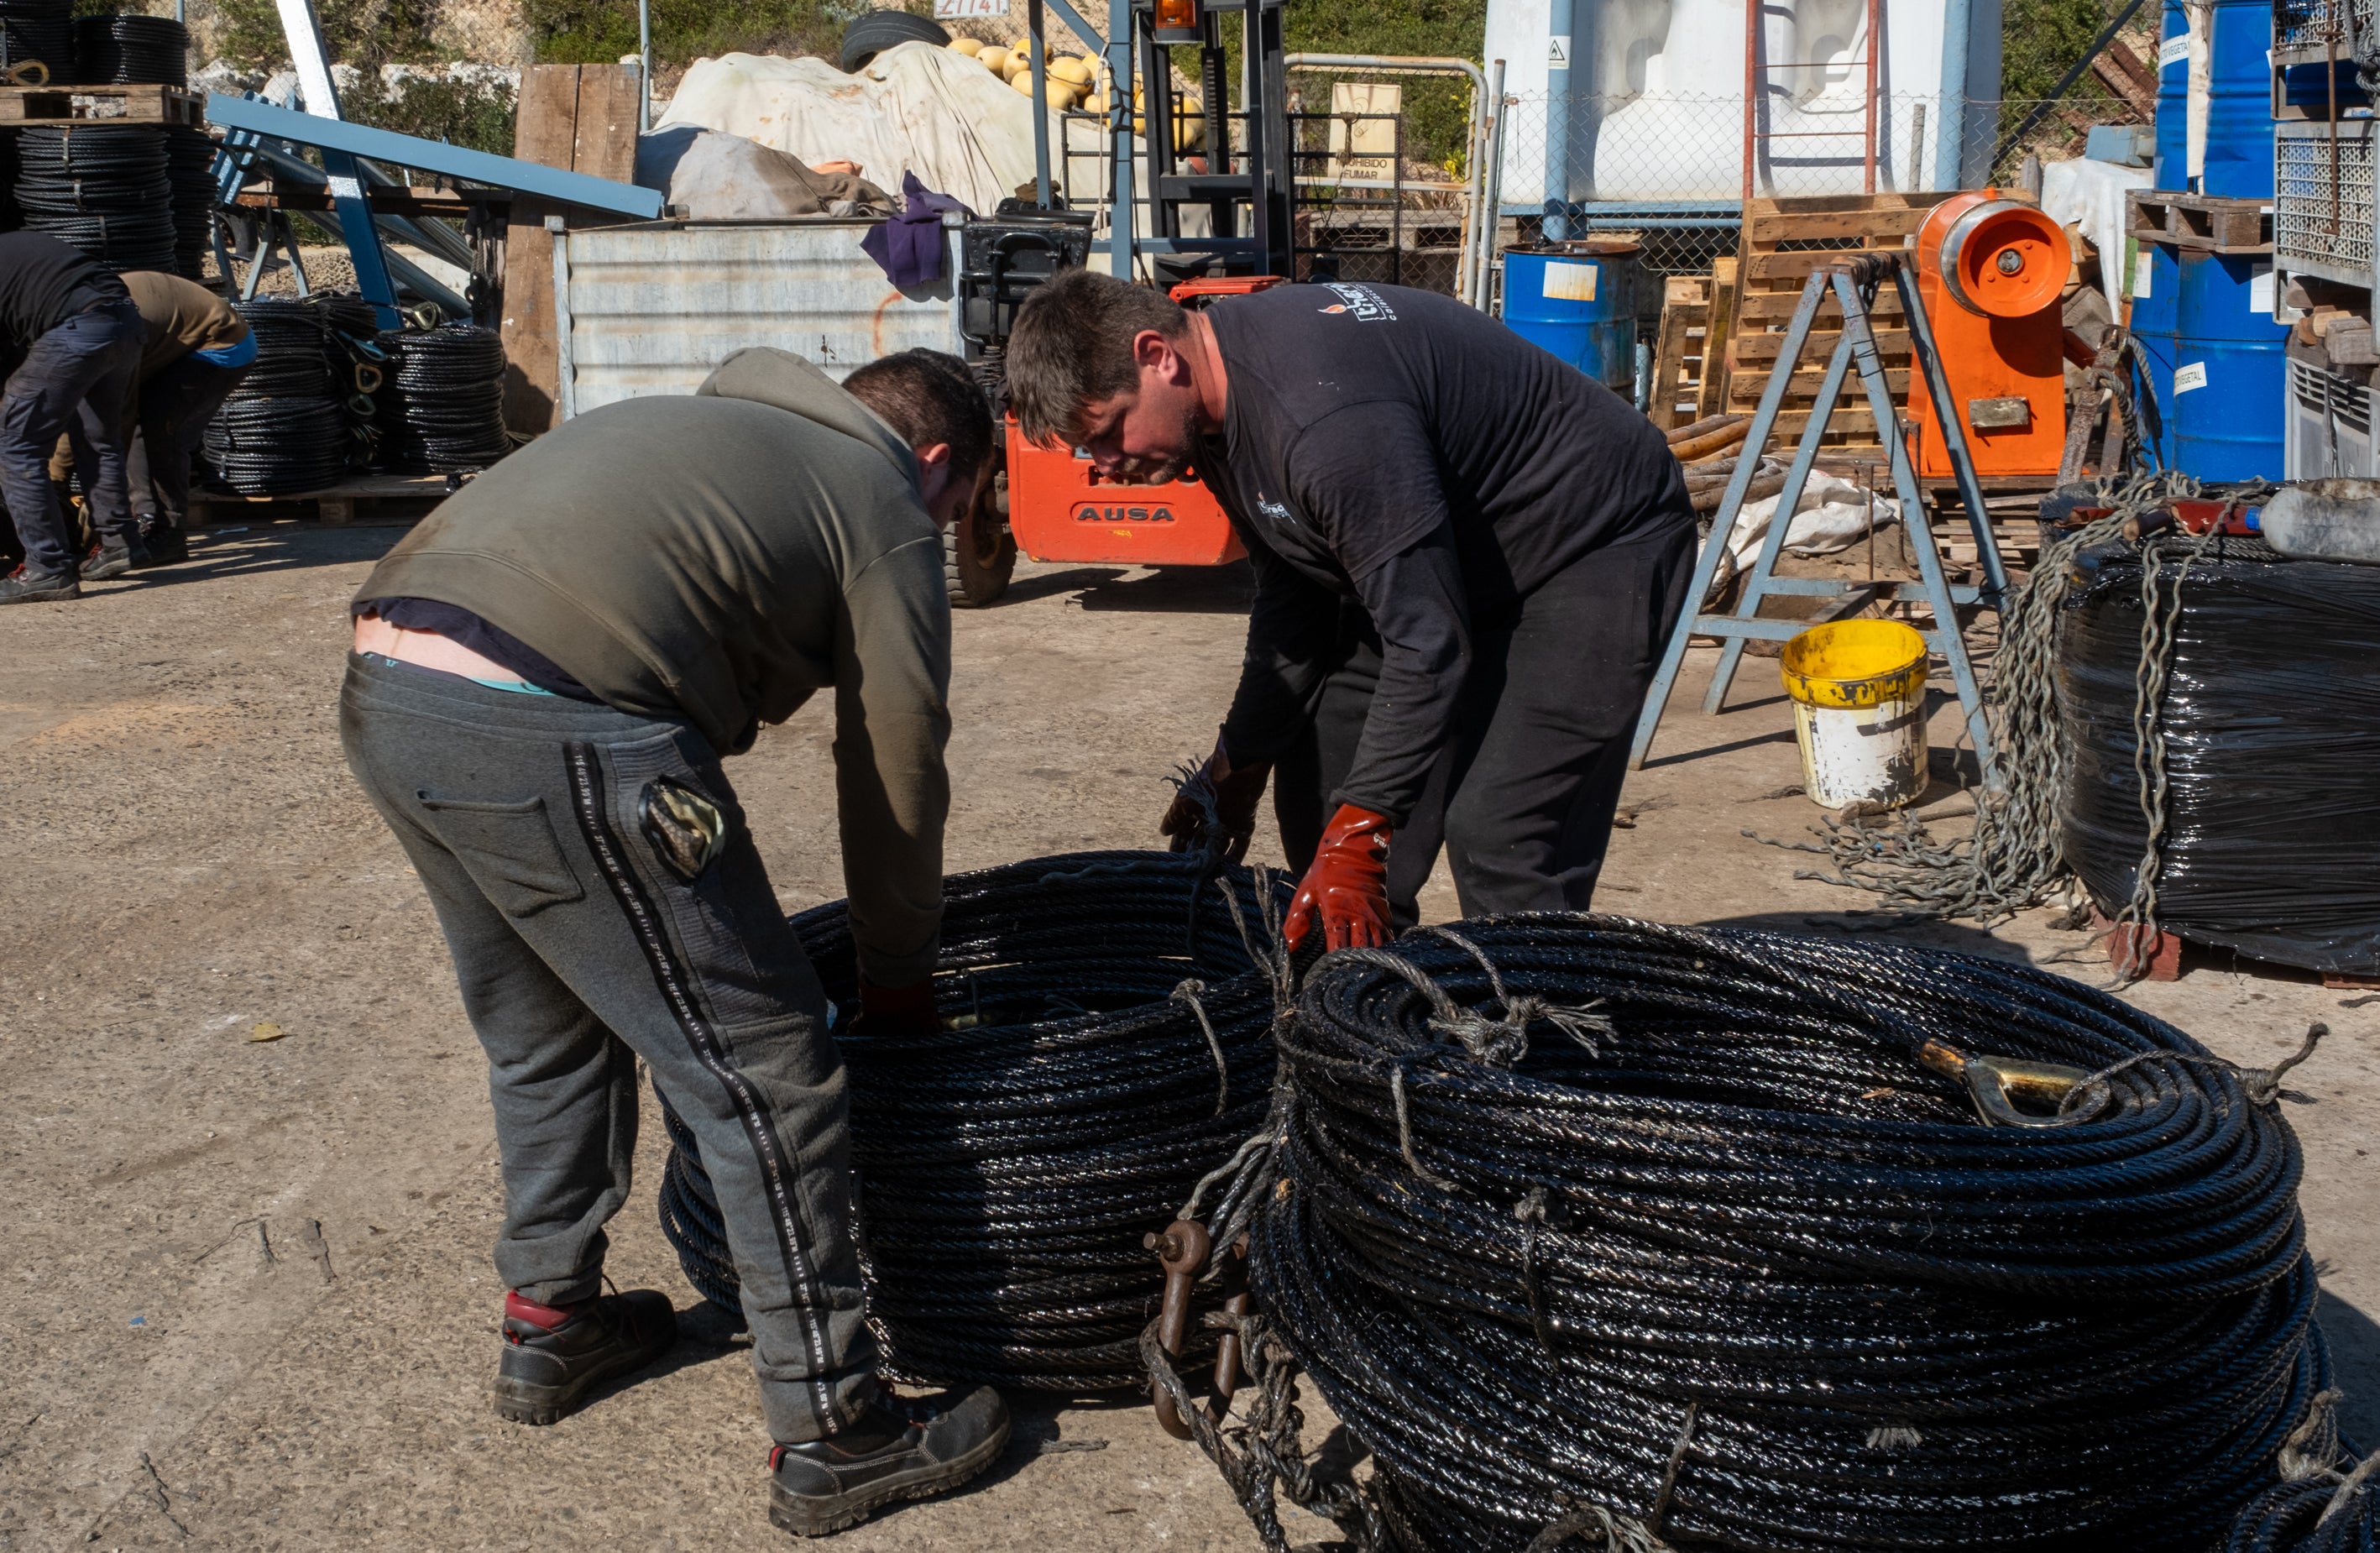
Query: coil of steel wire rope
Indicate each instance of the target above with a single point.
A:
(102, 189)
(1106, 1044)
(443, 410)
(38, 31)
(1702, 1229)
(283, 430)
(127, 48)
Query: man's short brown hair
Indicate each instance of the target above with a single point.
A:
(928, 396)
(1071, 346)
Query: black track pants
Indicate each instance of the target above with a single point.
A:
(578, 951)
(1523, 797)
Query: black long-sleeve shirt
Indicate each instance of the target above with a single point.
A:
(1397, 447)
(43, 282)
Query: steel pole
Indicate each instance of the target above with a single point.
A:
(1557, 223)
(644, 67)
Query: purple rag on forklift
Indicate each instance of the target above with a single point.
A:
(909, 246)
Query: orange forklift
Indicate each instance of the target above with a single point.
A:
(1050, 502)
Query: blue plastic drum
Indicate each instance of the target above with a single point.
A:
(2229, 374)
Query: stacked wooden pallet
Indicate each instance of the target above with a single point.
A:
(146, 104)
(1681, 350)
(2212, 223)
(1784, 240)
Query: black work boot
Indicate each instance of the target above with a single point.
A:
(113, 557)
(25, 585)
(555, 1356)
(899, 1448)
(168, 546)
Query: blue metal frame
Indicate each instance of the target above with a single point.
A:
(330, 135)
(1855, 347)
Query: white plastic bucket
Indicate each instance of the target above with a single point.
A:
(1859, 712)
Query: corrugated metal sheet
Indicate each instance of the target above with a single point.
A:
(652, 309)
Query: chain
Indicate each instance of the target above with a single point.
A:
(2013, 859)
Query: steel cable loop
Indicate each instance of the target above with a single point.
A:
(283, 430)
(443, 410)
(100, 189)
(1010, 1162)
(1733, 1210)
(127, 48)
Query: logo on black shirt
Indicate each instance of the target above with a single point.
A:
(1364, 303)
(1278, 512)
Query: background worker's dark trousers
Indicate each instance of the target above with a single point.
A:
(578, 951)
(80, 374)
(162, 430)
(1522, 800)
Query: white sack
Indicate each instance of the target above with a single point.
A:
(1832, 515)
(915, 108)
(2091, 194)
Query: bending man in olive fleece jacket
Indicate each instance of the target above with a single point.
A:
(547, 672)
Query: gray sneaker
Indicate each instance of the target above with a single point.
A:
(901, 1449)
(24, 585)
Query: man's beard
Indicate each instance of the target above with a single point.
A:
(1164, 472)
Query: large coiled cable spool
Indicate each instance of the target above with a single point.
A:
(101, 188)
(283, 430)
(443, 407)
(1703, 1228)
(1010, 1164)
(127, 48)
(38, 32)
(190, 177)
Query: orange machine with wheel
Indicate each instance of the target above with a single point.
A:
(1990, 272)
(1061, 509)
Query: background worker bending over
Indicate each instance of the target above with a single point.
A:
(548, 671)
(1468, 555)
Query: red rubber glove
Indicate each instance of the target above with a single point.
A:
(1348, 884)
(900, 1013)
(1235, 791)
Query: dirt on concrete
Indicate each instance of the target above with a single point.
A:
(248, 1302)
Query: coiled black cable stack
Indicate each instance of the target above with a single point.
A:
(101, 188)
(191, 176)
(1106, 1045)
(39, 30)
(443, 411)
(283, 428)
(1689, 1226)
(127, 49)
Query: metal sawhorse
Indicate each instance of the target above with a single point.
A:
(1853, 284)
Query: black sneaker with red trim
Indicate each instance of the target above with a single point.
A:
(26, 586)
(901, 1448)
(112, 559)
(555, 1355)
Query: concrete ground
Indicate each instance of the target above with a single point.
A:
(247, 1303)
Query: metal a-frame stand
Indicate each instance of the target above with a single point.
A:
(1853, 284)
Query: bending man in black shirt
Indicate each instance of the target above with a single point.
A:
(81, 338)
(1468, 556)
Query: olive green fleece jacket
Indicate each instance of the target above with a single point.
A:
(716, 559)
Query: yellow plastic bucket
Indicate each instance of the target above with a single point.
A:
(1859, 710)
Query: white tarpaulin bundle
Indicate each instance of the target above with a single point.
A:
(914, 108)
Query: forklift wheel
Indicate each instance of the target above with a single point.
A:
(978, 553)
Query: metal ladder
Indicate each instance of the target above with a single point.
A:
(1853, 284)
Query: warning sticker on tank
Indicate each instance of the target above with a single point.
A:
(1569, 282)
(2141, 270)
(2173, 51)
(2189, 377)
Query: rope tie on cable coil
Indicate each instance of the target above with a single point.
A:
(2322, 1504)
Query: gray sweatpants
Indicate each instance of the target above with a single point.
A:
(578, 951)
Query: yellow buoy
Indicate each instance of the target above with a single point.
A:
(969, 46)
(1072, 68)
(995, 61)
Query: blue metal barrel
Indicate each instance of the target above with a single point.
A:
(2154, 319)
(2173, 102)
(2229, 371)
(2240, 112)
(1578, 300)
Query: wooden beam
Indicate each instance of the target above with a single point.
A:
(545, 131)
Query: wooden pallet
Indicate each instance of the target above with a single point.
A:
(1679, 355)
(1718, 327)
(367, 498)
(2206, 221)
(103, 105)
(1784, 240)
